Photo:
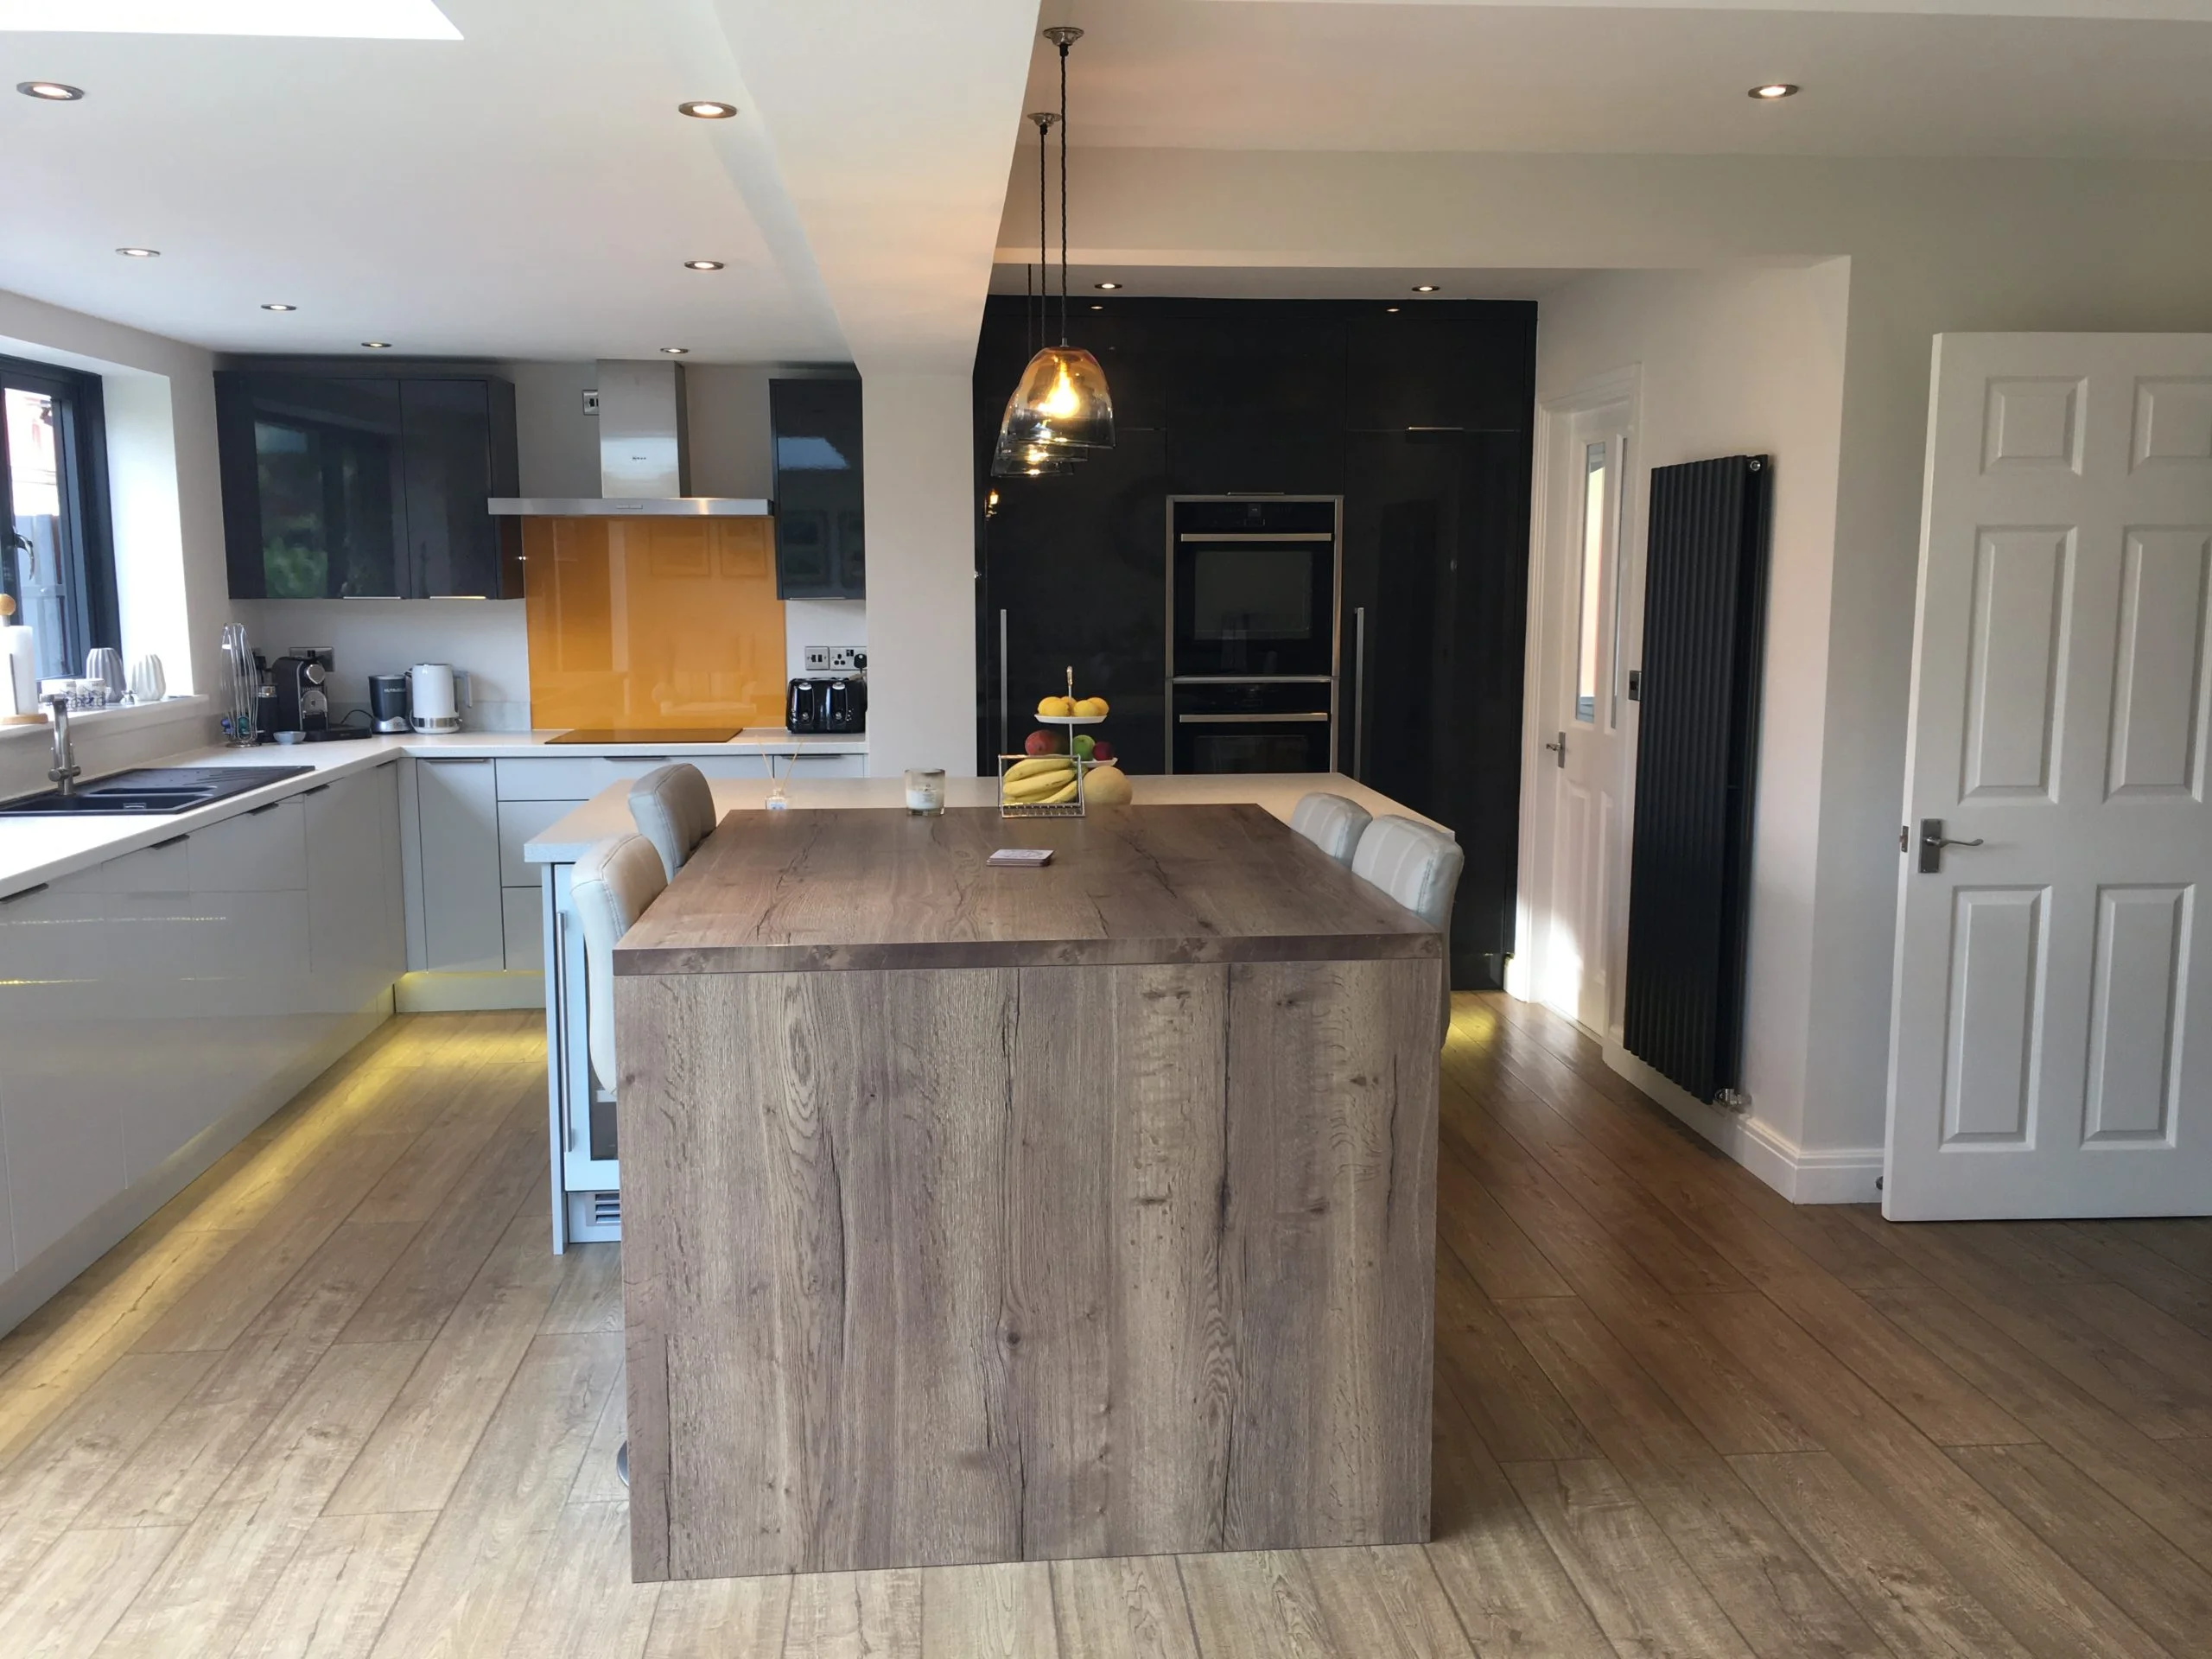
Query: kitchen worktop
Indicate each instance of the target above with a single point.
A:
(994, 1215)
(607, 813)
(856, 888)
(33, 850)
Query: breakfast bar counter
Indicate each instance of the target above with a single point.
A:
(977, 1214)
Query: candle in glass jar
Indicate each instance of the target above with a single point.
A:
(925, 790)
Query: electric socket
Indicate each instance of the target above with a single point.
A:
(817, 659)
(844, 659)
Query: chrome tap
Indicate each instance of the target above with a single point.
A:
(65, 770)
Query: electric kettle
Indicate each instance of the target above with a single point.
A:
(431, 699)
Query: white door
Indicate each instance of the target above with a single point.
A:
(1582, 697)
(2051, 1032)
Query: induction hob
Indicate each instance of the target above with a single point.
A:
(648, 734)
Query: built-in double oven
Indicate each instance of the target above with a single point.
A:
(1252, 600)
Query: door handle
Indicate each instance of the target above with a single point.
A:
(1559, 748)
(1932, 843)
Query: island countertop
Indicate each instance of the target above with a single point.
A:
(804, 891)
(976, 1214)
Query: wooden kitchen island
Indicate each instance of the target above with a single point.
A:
(984, 1215)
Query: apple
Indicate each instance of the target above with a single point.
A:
(1083, 746)
(1100, 750)
(1044, 742)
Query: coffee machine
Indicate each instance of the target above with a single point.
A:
(302, 704)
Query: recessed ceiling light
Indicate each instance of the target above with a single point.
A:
(376, 345)
(279, 305)
(1775, 89)
(676, 351)
(707, 109)
(1392, 310)
(1097, 307)
(140, 253)
(702, 264)
(1424, 288)
(1110, 286)
(53, 91)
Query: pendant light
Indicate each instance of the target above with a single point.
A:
(1062, 408)
(1010, 459)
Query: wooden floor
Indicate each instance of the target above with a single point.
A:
(338, 1399)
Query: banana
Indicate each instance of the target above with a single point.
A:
(1037, 765)
(1065, 792)
(1035, 789)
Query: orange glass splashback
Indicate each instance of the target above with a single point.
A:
(653, 622)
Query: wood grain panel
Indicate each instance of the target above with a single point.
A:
(799, 891)
(935, 1267)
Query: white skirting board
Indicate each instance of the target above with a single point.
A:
(426, 992)
(1802, 1175)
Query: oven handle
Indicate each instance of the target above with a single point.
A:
(1246, 720)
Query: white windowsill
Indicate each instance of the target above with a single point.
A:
(101, 722)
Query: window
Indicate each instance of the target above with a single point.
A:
(56, 559)
(1589, 656)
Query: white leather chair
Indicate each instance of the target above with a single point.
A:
(1420, 867)
(612, 886)
(1332, 823)
(675, 811)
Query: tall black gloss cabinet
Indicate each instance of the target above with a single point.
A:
(1420, 418)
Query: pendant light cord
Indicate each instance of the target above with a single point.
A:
(1064, 44)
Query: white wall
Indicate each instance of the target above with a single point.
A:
(921, 572)
(1934, 244)
(1742, 362)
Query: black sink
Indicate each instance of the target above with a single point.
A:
(150, 791)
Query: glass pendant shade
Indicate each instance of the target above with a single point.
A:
(1012, 459)
(1062, 405)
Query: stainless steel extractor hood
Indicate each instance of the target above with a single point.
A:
(644, 456)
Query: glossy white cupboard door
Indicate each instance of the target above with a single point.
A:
(61, 1134)
(2051, 1030)
(463, 927)
(353, 832)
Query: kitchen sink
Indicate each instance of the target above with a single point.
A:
(150, 791)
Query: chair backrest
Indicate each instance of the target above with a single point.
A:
(1420, 867)
(610, 888)
(674, 810)
(1332, 823)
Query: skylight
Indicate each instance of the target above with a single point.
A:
(360, 20)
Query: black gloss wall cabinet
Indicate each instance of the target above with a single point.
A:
(1420, 418)
(340, 487)
(1697, 746)
(821, 526)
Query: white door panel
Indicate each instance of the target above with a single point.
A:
(1586, 716)
(2050, 1017)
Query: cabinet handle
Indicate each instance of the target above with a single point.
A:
(1359, 693)
(453, 761)
(255, 812)
(173, 841)
(317, 790)
(1246, 720)
(23, 894)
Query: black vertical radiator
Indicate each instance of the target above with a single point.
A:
(1697, 748)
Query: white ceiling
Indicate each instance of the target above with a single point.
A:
(527, 191)
(1474, 75)
(1385, 286)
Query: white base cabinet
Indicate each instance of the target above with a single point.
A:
(473, 904)
(155, 1007)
